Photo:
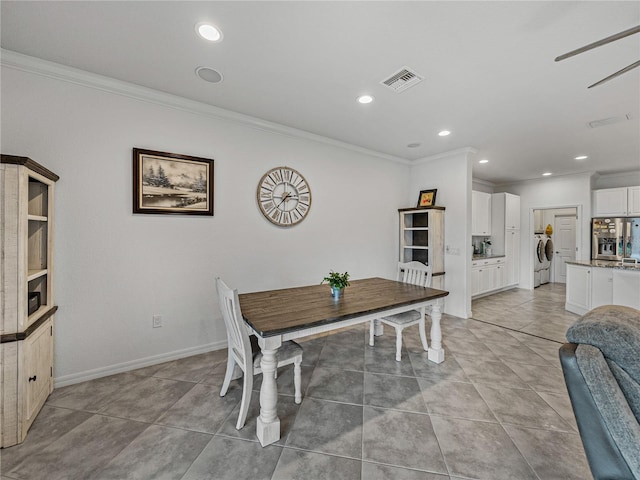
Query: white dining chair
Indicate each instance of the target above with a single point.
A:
(416, 273)
(246, 354)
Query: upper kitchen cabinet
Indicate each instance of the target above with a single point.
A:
(480, 213)
(633, 201)
(616, 202)
(538, 221)
(505, 212)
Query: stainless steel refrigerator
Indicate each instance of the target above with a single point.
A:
(615, 238)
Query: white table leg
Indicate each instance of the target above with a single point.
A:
(378, 328)
(268, 424)
(436, 352)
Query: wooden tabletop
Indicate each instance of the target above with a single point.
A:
(275, 312)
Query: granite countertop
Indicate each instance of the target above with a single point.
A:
(605, 264)
(485, 257)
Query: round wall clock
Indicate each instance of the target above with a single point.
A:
(284, 196)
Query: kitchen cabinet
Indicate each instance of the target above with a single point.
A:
(616, 202)
(505, 229)
(626, 288)
(422, 239)
(511, 211)
(601, 287)
(26, 284)
(505, 215)
(512, 256)
(481, 213)
(487, 275)
(589, 287)
(578, 293)
(633, 201)
(538, 221)
(475, 282)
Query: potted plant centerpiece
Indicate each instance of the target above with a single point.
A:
(337, 282)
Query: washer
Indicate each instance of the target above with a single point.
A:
(545, 275)
(538, 258)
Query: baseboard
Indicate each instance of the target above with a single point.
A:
(492, 292)
(65, 380)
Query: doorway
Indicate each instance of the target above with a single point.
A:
(555, 242)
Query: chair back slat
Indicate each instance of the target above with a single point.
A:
(237, 336)
(416, 273)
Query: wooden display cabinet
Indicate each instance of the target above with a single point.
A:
(27, 309)
(422, 239)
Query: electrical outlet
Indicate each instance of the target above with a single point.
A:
(157, 321)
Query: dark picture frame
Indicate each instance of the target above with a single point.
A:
(427, 198)
(171, 183)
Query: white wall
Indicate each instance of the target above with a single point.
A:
(549, 216)
(558, 192)
(626, 179)
(451, 175)
(114, 270)
(482, 186)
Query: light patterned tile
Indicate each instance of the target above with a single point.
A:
(301, 465)
(232, 459)
(391, 391)
(402, 439)
(328, 427)
(158, 452)
(551, 454)
(454, 399)
(87, 448)
(480, 450)
(522, 407)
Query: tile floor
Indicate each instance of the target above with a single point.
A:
(538, 312)
(495, 409)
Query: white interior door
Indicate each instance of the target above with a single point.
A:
(564, 242)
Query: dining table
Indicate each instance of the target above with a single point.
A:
(276, 316)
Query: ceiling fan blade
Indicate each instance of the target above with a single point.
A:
(599, 43)
(614, 75)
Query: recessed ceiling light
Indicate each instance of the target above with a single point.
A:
(484, 160)
(444, 133)
(365, 99)
(581, 157)
(546, 174)
(209, 32)
(414, 145)
(209, 74)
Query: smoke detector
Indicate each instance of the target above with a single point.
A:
(403, 79)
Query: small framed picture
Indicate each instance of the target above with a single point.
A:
(170, 183)
(427, 198)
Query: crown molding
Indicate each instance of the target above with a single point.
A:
(451, 153)
(587, 174)
(480, 181)
(37, 66)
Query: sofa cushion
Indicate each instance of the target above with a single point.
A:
(615, 331)
(629, 387)
(611, 403)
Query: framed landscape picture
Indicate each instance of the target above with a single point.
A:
(427, 198)
(170, 183)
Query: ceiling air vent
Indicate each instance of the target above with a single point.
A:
(610, 121)
(402, 79)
